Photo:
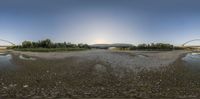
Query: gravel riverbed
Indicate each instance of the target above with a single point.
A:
(129, 59)
(99, 74)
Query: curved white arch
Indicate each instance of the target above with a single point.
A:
(7, 41)
(190, 41)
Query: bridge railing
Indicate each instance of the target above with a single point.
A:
(7, 42)
(190, 41)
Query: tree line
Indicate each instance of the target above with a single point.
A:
(47, 43)
(153, 46)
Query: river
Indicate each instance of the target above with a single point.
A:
(192, 61)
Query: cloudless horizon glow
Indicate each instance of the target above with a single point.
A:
(100, 21)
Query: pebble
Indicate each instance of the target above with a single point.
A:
(25, 86)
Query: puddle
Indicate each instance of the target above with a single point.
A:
(5, 60)
(192, 60)
(23, 57)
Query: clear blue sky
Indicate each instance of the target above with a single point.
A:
(100, 21)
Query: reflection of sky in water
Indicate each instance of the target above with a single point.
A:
(193, 60)
(5, 59)
(26, 58)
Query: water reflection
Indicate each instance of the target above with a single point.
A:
(192, 61)
(5, 60)
(23, 57)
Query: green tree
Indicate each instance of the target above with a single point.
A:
(27, 44)
(46, 43)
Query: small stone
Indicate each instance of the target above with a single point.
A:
(5, 87)
(25, 86)
(87, 93)
(102, 88)
(12, 85)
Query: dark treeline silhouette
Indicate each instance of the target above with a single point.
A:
(153, 46)
(49, 44)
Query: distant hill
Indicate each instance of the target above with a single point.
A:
(110, 45)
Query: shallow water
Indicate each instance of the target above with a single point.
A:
(192, 61)
(5, 60)
(26, 57)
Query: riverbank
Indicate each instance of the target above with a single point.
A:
(129, 59)
(74, 75)
(3, 50)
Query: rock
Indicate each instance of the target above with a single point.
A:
(12, 85)
(25, 86)
(5, 87)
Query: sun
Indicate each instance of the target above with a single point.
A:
(100, 41)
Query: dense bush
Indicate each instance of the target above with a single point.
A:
(27, 44)
(49, 44)
(155, 46)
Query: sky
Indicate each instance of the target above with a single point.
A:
(100, 21)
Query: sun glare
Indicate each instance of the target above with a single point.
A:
(100, 41)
